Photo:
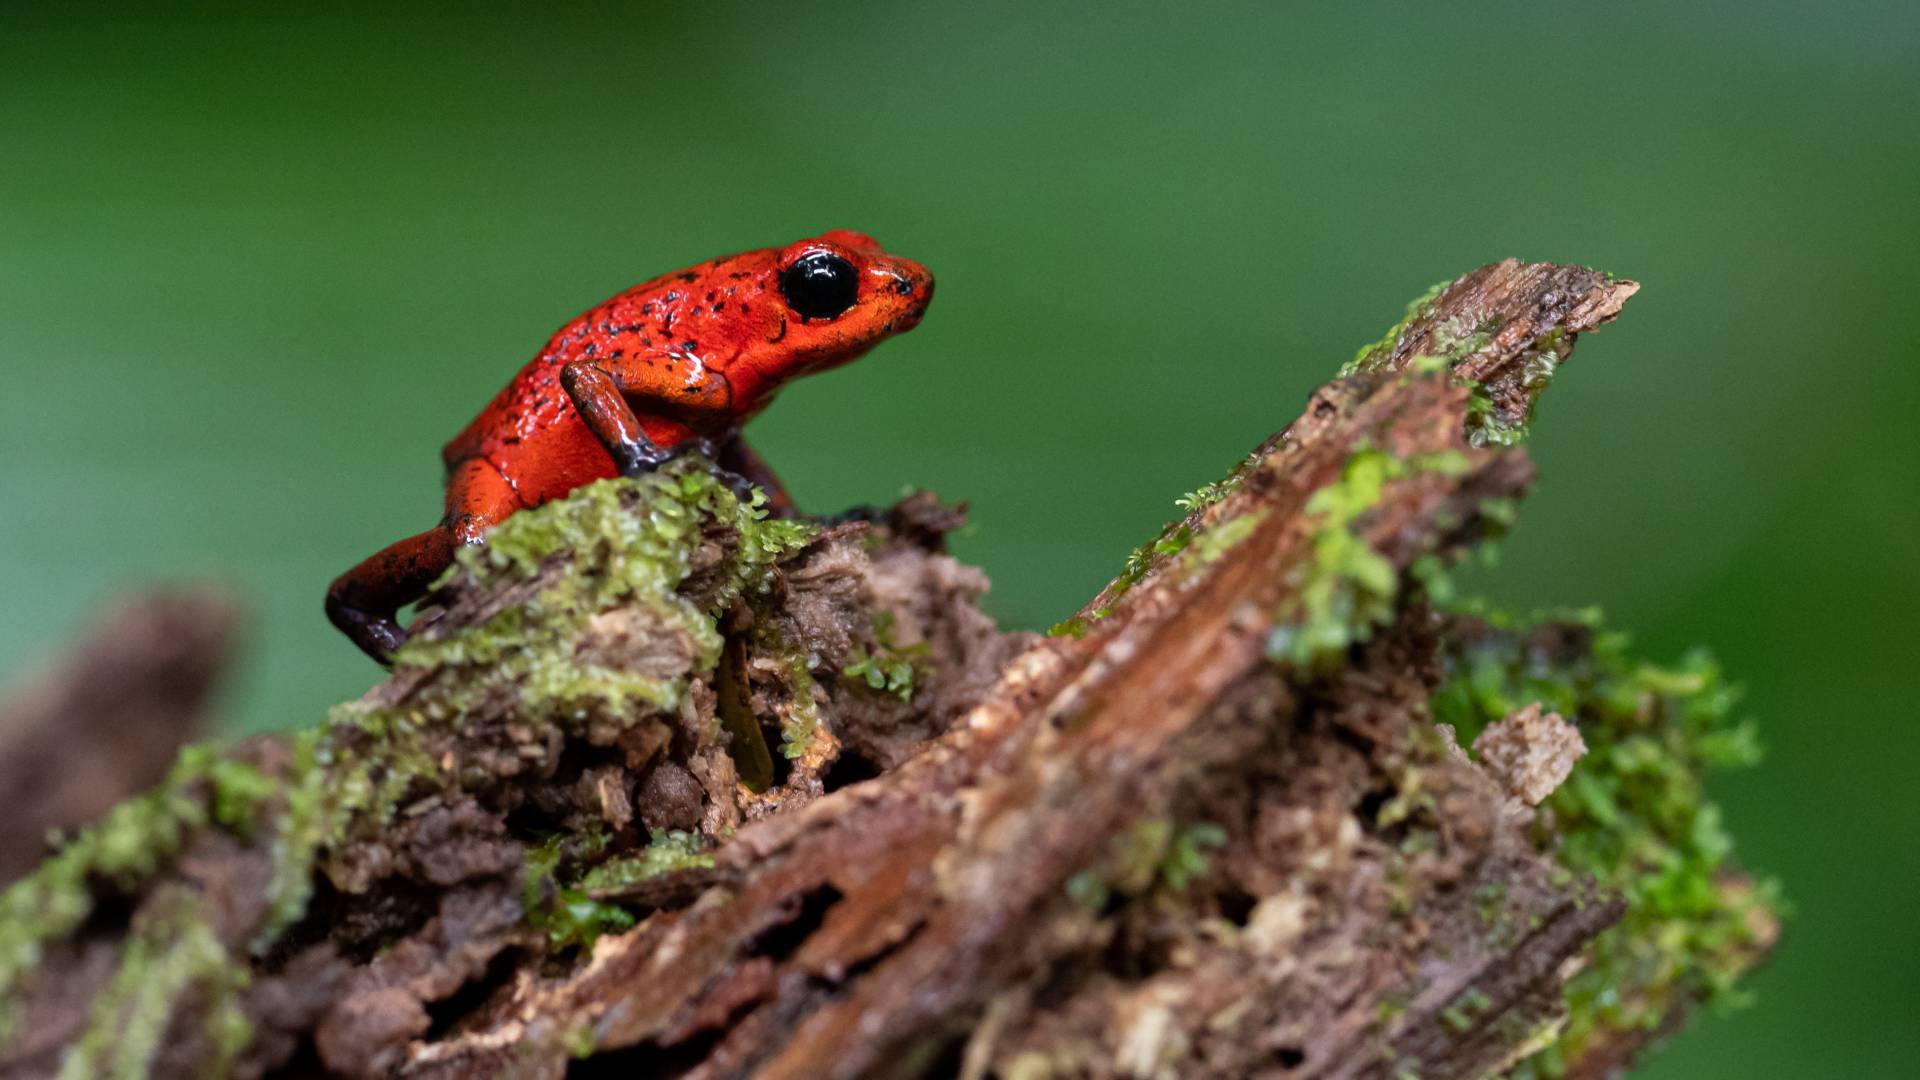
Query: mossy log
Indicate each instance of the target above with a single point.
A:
(668, 788)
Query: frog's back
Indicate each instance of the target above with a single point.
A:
(534, 398)
(530, 431)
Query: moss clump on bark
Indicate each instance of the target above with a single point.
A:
(648, 554)
(134, 841)
(172, 950)
(667, 851)
(1348, 588)
(1634, 814)
(631, 542)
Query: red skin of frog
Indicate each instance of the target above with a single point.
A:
(677, 363)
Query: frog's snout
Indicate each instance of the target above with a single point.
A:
(912, 285)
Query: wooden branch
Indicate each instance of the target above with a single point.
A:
(944, 884)
(654, 788)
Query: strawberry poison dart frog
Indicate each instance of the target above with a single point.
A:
(675, 364)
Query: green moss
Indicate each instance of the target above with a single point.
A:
(135, 840)
(1171, 541)
(1453, 340)
(1462, 1010)
(1217, 541)
(1346, 587)
(667, 851)
(569, 915)
(632, 542)
(1430, 570)
(169, 950)
(803, 712)
(1185, 860)
(631, 539)
(238, 789)
(889, 674)
(891, 667)
(1074, 627)
(1487, 425)
(1491, 902)
(1633, 815)
(1155, 852)
(1136, 862)
(1208, 494)
(581, 1040)
(296, 841)
(1370, 357)
(1456, 338)
(1174, 537)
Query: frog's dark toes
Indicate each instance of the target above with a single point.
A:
(742, 487)
(637, 463)
(378, 636)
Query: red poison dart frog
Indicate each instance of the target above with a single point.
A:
(675, 364)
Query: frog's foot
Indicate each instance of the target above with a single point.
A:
(379, 636)
(635, 461)
(365, 602)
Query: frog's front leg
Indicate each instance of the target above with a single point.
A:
(601, 395)
(365, 601)
(598, 398)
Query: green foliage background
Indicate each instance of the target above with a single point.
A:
(256, 265)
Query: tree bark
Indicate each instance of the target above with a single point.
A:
(1210, 829)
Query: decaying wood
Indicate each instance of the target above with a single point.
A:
(1165, 847)
(105, 720)
(943, 884)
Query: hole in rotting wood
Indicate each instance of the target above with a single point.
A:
(802, 914)
(1290, 1057)
(472, 994)
(541, 807)
(647, 1061)
(781, 763)
(848, 768)
(949, 1059)
(1369, 807)
(359, 925)
(1236, 905)
(305, 1064)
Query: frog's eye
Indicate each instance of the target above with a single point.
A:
(819, 285)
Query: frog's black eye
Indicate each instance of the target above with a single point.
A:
(819, 285)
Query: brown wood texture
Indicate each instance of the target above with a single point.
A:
(1165, 847)
(875, 931)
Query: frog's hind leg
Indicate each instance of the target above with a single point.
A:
(364, 601)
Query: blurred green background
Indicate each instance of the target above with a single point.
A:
(256, 265)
